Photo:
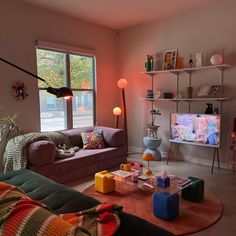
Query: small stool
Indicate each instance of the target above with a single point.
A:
(104, 182)
(165, 205)
(195, 191)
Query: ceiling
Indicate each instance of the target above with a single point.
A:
(119, 14)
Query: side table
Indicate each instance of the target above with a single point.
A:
(151, 145)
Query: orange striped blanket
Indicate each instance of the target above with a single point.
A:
(20, 215)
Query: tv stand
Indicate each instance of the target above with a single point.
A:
(215, 153)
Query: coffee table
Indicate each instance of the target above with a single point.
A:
(149, 184)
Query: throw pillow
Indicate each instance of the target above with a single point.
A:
(93, 140)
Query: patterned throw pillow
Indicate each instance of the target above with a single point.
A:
(93, 140)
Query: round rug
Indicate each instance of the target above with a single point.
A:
(193, 217)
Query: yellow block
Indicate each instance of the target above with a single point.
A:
(104, 182)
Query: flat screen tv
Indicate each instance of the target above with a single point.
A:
(197, 129)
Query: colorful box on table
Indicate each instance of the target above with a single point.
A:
(165, 205)
(104, 182)
(163, 182)
(195, 191)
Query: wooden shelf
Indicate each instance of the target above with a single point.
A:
(187, 70)
(186, 99)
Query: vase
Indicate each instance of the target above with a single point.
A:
(190, 91)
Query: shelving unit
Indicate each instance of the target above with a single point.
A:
(189, 71)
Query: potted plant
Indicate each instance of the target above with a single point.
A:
(152, 128)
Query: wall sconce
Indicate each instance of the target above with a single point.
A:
(116, 113)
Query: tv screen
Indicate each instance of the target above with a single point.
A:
(199, 129)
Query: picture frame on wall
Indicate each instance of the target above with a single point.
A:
(169, 60)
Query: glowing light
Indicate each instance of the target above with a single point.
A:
(67, 97)
(116, 111)
(122, 83)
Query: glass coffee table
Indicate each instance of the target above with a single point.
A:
(149, 183)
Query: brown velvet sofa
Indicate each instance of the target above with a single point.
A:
(41, 155)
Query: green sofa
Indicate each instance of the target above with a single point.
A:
(61, 199)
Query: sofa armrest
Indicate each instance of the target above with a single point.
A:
(41, 152)
(112, 137)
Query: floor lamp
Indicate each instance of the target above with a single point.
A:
(64, 92)
(122, 83)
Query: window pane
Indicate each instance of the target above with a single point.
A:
(52, 112)
(51, 67)
(81, 72)
(82, 108)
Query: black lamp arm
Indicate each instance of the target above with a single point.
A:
(27, 72)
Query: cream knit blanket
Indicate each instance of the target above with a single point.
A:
(14, 156)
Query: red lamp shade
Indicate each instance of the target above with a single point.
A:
(148, 157)
(116, 111)
(122, 83)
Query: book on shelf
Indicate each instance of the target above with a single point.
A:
(181, 182)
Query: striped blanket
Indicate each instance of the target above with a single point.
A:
(22, 216)
(14, 156)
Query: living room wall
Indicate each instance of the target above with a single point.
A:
(205, 30)
(21, 24)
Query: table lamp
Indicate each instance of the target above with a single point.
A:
(148, 157)
(116, 113)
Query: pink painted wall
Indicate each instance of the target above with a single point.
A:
(206, 30)
(21, 24)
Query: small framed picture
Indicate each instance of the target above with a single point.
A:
(215, 91)
(169, 60)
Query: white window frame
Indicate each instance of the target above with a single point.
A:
(70, 50)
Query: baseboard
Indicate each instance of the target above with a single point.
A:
(138, 150)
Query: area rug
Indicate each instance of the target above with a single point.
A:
(193, 216)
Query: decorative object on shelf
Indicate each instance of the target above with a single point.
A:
(204, 91)
(190, 62)
(209, 109)
(216, 110)
(169, 60)
(168, 95)
(190, 91)
(125, 166)
(179, 95)
(215, 91)
(122, 83)
(216, 59)
(180, 62)
(148, 157)
(150, 93)
(210, 91)
(64, 92)
(116, 113)
(158, 94)
(198, 57)
(19, 91)
(149, 63)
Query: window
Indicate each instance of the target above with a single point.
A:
(61, 69)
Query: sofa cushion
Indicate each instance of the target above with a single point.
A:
(74, 135)
(93, 140)
(113, 137)
(41, 153)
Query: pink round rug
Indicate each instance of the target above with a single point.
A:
(193, 216)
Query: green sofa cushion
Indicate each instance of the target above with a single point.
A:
(62, 199)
